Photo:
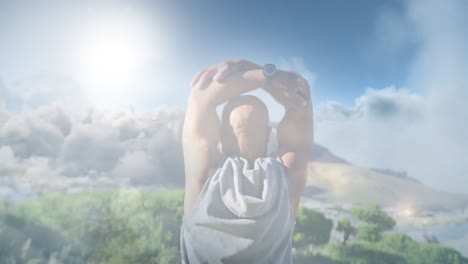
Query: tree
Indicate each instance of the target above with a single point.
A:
(419, 253)
(345, 227)
(440, 254)
(311, 228)
(369, 232)
(376, 221)
(373, 214)
(363, 253)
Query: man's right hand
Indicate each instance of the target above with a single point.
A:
(223, 81)
(290, 90)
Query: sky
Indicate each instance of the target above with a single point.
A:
(330, 38)
(388, 78)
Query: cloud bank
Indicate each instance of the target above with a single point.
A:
(49, 148)
(422, 129)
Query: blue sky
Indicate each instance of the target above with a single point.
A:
(389, 77)
(333, 39)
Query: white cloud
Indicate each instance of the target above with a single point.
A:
(366, 134)
(13, 191)
(423, 131)
(43, 89)
(34, 132)
(440, 65)
(140, 167)
(3, 111)
(51, 148)
(3, 114)
(8, 163)
(91, 147)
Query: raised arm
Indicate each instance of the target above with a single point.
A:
(295, 130)
(200, 136)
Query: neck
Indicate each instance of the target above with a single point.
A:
(244, 148)
(251, 151)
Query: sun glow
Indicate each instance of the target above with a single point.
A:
(408, 211)
(111, 51)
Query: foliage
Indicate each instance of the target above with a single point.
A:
(312, 227)
(374, 215)
(23, 240)
(393, 248)
(373, 246)
(404, 244)
(310, 257)
(345, 227)
(420, 253)
(369, 232)
(363, 253)
(125, 226)
(375, 222)
(132, 226)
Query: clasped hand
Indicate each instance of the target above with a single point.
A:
(287, 88)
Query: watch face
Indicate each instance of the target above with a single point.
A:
(269, 70)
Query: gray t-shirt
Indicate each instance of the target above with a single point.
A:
(243, 215)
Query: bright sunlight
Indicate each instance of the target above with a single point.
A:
(111, 50)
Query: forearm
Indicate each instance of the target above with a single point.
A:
(218, 93)
(295, 130)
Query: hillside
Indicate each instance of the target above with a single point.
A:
(334, 180)
(347, 184)
(420, 211)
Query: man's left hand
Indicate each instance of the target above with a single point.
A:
(222, 72)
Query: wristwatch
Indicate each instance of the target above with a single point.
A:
(269, 71)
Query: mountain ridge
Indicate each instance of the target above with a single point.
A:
(333, 179)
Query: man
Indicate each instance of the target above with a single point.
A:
(240, 205)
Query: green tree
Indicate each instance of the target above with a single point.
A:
(363, 253)
(369, 232)
(312, 227)
(122, 226)
(420, 253)
(373, 214)
(345, 227)
(440, 254)
(375, 222)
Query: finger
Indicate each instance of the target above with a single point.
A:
(281, 80)
(197, 77)
(295, 100)
(225, 71)
(206, 79)
(302, 98)
(248, 65)
(303, 87)
(222, 71)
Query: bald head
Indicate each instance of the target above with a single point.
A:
(245, 127)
